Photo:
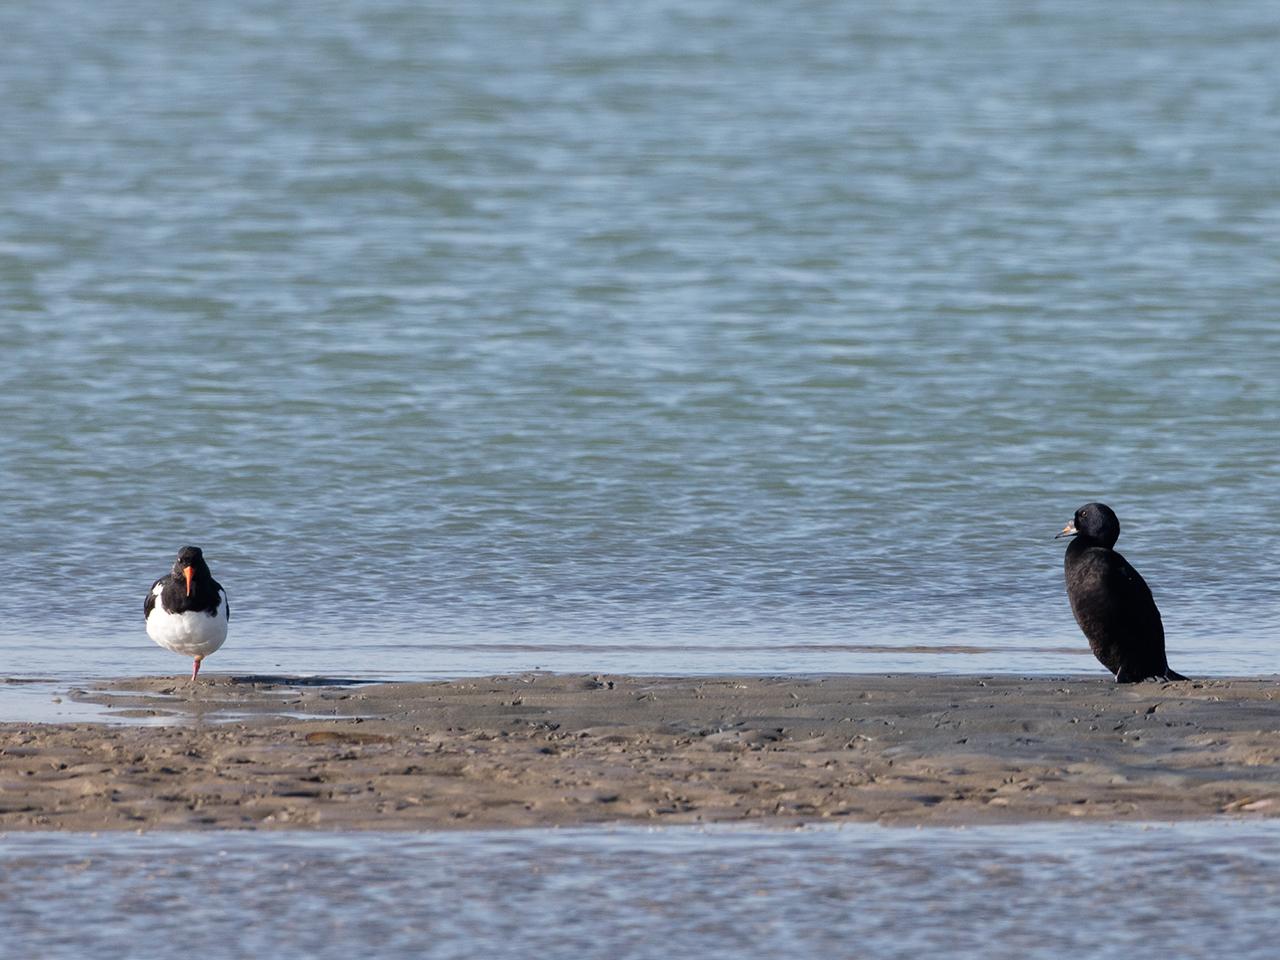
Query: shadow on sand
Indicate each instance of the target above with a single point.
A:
(280, 680)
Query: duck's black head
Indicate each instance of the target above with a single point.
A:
(1095, 522)
(190, 566)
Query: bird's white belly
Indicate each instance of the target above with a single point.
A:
(191, 634)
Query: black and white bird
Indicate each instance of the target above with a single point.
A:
(1111, 601)
(187, 610)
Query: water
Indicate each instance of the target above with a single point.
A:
(1125, 891)
(678, 337)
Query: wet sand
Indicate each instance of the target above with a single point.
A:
(542, 750)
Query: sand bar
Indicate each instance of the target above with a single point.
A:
(543, 750)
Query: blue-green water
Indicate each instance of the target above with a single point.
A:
(1121, 892)
(667, 337)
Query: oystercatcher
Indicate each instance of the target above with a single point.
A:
(1111, 601)
(187, 610)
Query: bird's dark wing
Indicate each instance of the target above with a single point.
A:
(226, 601)
(149, 603)
(1139, 617)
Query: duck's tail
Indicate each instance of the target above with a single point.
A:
(1173, 675)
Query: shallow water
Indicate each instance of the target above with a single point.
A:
(690, 337)
(1122, 891)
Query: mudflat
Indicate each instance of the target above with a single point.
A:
(546, 750)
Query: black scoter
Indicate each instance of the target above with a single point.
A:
(1111, 601)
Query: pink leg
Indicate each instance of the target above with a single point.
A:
(195, 667)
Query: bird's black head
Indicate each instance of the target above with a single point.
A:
(1094, 522)
(190, 566)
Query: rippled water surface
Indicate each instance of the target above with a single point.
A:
(670, 337)
(1123, 892)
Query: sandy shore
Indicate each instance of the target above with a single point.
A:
(542, 750)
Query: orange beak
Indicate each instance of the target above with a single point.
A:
(188, 572)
